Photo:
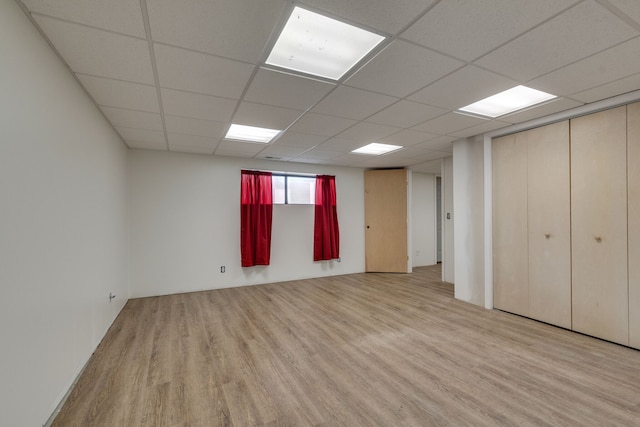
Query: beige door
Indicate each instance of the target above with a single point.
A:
(549, 224)
(385, 204)
(633, 181)
(510, 258)
(599, 225)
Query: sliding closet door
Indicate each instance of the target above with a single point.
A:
(633, 182)
(549, 224)
(599, 225)
(510, 258)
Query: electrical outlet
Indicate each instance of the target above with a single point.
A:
(222, 269)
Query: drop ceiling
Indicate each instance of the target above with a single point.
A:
(173, 75)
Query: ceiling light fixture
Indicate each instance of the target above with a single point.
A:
(506, 102)
(314, 44)
(377, 149)
(251, 133)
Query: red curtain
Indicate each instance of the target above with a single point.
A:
(256, 210)
(326, 236)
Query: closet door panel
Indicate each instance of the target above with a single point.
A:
(633, 182)
(549, 224)
(510, 259)
(599, 225)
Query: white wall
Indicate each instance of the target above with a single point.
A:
(423, 219)
(185, 222)
(448, 258)
(468, 190)
(63, 229)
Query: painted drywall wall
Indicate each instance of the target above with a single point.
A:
(448, 220)
(63, 230)
(468, 190)
(423, 219)
(185, 222)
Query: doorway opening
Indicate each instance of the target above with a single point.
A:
(438, 220)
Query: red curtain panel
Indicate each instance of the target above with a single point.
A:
(256, 211)
(326, 236)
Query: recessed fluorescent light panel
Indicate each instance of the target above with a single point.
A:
(315, 44)
(251, 133)
(377, 149)
(508, 101)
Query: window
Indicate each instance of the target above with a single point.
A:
(294, 189)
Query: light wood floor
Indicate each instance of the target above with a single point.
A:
(356, 350)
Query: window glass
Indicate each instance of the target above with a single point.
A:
(294, 189)
(301, 190)
(277, 181)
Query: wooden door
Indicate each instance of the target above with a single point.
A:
(510, 258)
(549, 224)
(385, 204)
(599, 225)
(633, 182)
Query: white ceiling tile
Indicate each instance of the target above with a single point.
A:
(618, 87)
(450, 122)
(406, 114)
(192, 143)
(353, 103)
(147, 145)
(116, 93)
(286, 90)
(100, 53)
(385, 161)
(121, 16)
(311, 161)
(318, 154)
(320, 124)
(237, 29)
(274, 152)
(402, 68)
(201, 73)
(351, 160)
(299, 140)
(238, 155)
(480, 129)
(408, 137)
(191, 149)
(575, 34)
(387, 16)
(197, 127)
(151, 137)
(448, 26)
(197, 106)
(417, 155)
(443, 144)
(463, 87)
(265, 116)
(238, 148)
(431, 166)
(348, 159)
(605, 67)
(207, 55)
(341, 144)
(120, 117)
(368, 132)
(555, 106)
(631, 8)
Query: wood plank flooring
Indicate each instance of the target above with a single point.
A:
(355, 350)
